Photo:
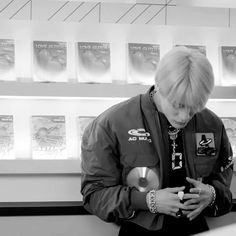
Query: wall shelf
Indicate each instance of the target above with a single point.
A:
(32, 166)
(82, 90)
(69, 90)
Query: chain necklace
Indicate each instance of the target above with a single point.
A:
(173, 133)
(176, 157)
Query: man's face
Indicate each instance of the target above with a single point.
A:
(177, 114)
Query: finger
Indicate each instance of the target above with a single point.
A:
(183, 206)
(195, 190)
(176, 189)
(194, 213)
(186, 212)
(190, 196)
(192, 207)
(192, 181)
(191, 201)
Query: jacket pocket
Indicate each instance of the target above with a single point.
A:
(204, 165)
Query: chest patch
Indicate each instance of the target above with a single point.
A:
(139, 135)
(205, 144)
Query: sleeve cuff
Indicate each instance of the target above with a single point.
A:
(138, 200)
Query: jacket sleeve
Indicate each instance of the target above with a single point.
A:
(221, 178)
(103, 193)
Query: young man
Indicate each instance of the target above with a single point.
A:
(168, 132)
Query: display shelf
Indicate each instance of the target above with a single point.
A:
(224, 92)
(69, 90)
(67, 99)
(40, 166)
(81, 90)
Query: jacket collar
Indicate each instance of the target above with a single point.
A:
(158, 134)
(160, 137)
(146, 101)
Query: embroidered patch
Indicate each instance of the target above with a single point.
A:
(229, 162)
(139, 135)
(205, 144)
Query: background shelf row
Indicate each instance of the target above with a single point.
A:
(80, 90)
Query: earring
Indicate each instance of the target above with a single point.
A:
(156, 89)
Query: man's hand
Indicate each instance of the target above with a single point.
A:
(169, 203)
(196, 204)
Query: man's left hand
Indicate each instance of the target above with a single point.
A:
(197, 204)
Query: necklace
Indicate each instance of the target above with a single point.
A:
(173, 133)
(176, 157)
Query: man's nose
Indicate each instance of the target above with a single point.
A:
(184, 115)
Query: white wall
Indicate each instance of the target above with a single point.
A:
(65, 187)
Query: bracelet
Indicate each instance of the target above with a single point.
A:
(151, 201)
(213, 194)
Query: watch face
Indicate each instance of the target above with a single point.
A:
(143, 179)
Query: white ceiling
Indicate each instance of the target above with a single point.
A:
(92, 11)
(84, 11)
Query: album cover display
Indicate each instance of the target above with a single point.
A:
(228, 65)
(200, 48)
(48, 137)
(230, 127)
(142, 63)
(7, 60)
(94, 62)
(6, 137)
(50, 61)
(83, 122)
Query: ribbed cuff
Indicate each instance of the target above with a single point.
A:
(138, 200)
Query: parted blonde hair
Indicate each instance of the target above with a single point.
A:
(185, 76)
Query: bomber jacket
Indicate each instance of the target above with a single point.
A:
(129, 135)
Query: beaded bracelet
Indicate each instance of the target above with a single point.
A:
(151, 201)
(213, 194)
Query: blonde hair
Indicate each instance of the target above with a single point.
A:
(185, 76)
